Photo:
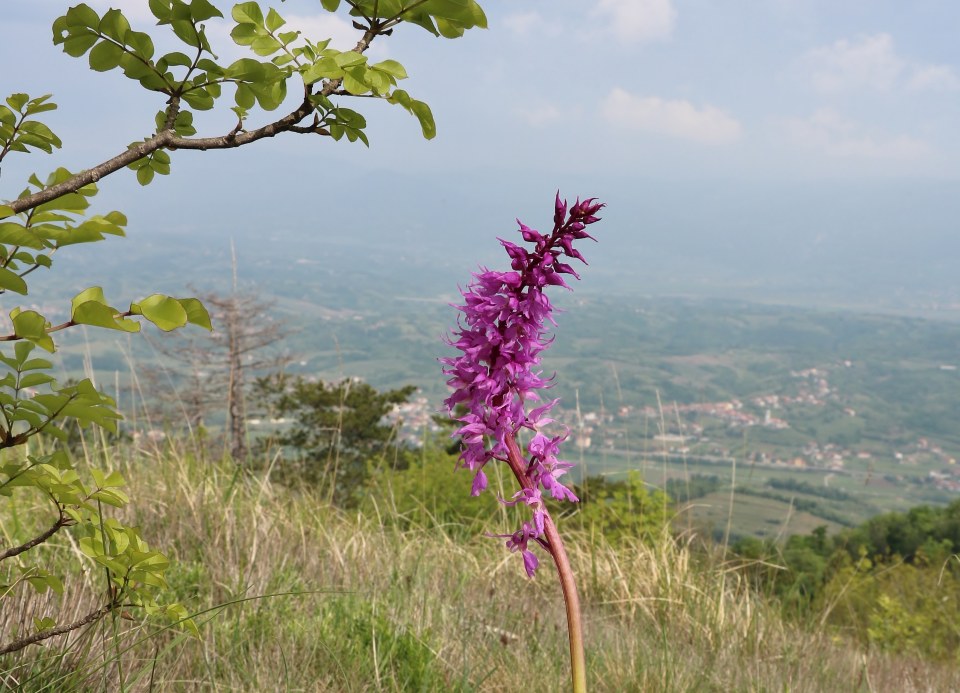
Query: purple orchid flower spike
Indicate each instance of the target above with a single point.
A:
(502, 332)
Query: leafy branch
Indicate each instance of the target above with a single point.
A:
(111, 43)
(52, 213)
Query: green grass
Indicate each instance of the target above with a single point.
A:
(294, 595)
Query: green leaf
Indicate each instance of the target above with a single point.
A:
(45, 623)
(10, 281)
(391, 67)
(350, 59)
(177, 58)
(114, 480)
(93, 293)
(141, 44)
(90, 308)
(244, 34)
(35, 379)
(247, 13)
(247, 70)
(22, 351)
(144, 175)
(187, 33)
(35, 364)
(354, 80)
(324, 68)
(164, 312)
(115, 25)
(32, 326)
(17, 101)
(201, 10)
(83, 15)
(76, 46)
(274, 20)
(417, 108)
(425, 116)
(99, 315)
(196, 312)
(117, 499)
(244, 97)
(71, 202)
(265, 45)
(105, 56)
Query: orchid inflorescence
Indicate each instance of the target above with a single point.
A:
(501, 334)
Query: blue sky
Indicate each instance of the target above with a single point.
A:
(695, 118)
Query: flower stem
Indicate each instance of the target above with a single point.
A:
(568, 584)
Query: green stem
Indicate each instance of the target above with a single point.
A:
(578, 665)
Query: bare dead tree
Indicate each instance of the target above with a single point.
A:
(211, 372)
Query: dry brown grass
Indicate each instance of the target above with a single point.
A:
(360, 605)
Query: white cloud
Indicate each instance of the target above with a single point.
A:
(872, 62)
(934, 78)
(827, 132)
(681, 119)
(869, 61)
(639, 20)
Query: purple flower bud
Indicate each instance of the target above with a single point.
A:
(560, 211)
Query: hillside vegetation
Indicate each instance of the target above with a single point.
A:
(823, 400)
(403, 594)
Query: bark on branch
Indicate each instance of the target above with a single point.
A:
(61, 522)
(17, 645)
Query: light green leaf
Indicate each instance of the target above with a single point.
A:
(94, 293)
(90, 308)
(164, 312)
(391, 67)
(325, 68)
(196, 312)
(350, 59)
(17, 101)
(425, 116)
(35, 379)
(32, 326)
(10, 281)
(274, 20)
(248, 13)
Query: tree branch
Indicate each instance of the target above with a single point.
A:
(17, 645)
(61, 522)
(168, 139)
(238, 139)
(92, 175)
